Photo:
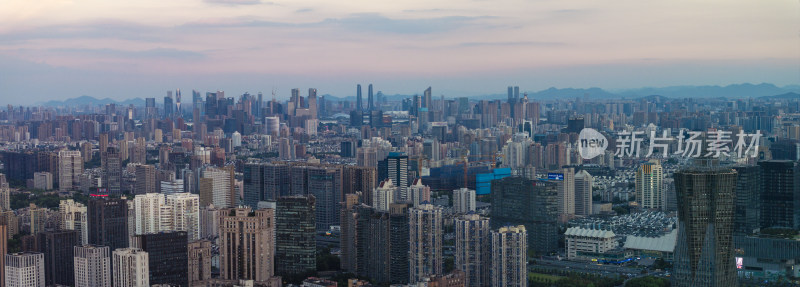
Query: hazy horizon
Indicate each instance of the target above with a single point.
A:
(58, 49)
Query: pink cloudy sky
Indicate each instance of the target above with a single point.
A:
(58, 49)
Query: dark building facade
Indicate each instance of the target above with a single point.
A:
(108, 222)
(58, 249)
(165, 250)
(295, 235)
(380, 243)
(533, 203)
(780, 199)
(704, 254)
(747, 216)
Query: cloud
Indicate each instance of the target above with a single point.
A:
(103, 28)
(304, 10)
(363, 22)
(509, 44)
(235, 2)
(158, 53)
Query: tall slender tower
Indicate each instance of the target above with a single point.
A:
(704, 249)
(359, 104)
(425, 242)
(295, 234)
(370, 98)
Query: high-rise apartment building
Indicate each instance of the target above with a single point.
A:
(463, 200)
(108, 222)
(359, 179)
(186, 213)
(3, 250)
(473, 253)
(510, 256)
(5, 197)
(533, 203)
(148, 209)
(167, 255)
(74, 217)
(246, 243)
(24, 269)
(217, 186)
(70, 168)
(649, 185)
(566, 195)
(704, 253)
(130, 267)
(383, 195)
(583, 193)
(418, 193)
(295, 235)
(92, 266)
(425, 242)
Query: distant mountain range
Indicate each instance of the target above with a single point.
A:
(92, 101)
(736, 91)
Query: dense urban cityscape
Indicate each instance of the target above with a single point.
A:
(247, 190)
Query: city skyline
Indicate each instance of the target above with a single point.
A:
(60, 50)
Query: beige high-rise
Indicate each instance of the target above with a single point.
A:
(583, 193)
(199, 261)
(649, 185)
(425, 242)
(510, 257)
(92, 266)
(131, 268)
(246, 243)
(70, 168)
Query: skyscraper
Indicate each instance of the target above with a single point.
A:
(145, 179)
(165, 250)
(148, 210)
(131, 267)
(70, 167)
(583, 193)
(425, 242)
(295, 235)
(3, 250)
(510, 256)
(649, 185)
(473, 249)
(168, 108)
(395, 167)
(426, 99)
(369, 96)
(217, 187)
(24, 269)
(199, 261)
(246, 243)
(325, 183)
(92, 266)
(747, 217)
(58, 250)
(108, 222)
(112, 170)
(566, 195)
(533, 203)
(383, 195)
(359, 105)
(780, 200)
(704, 250)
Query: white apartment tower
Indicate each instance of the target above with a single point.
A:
(24, 269)
(463, 200)
(73, 217)
(583, 193)
(92, 266)
(383, 195)
(131, 268)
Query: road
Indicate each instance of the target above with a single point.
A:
(585, 267)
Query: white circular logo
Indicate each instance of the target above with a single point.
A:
(591, 143)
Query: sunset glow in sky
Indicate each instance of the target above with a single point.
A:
(58, 49)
